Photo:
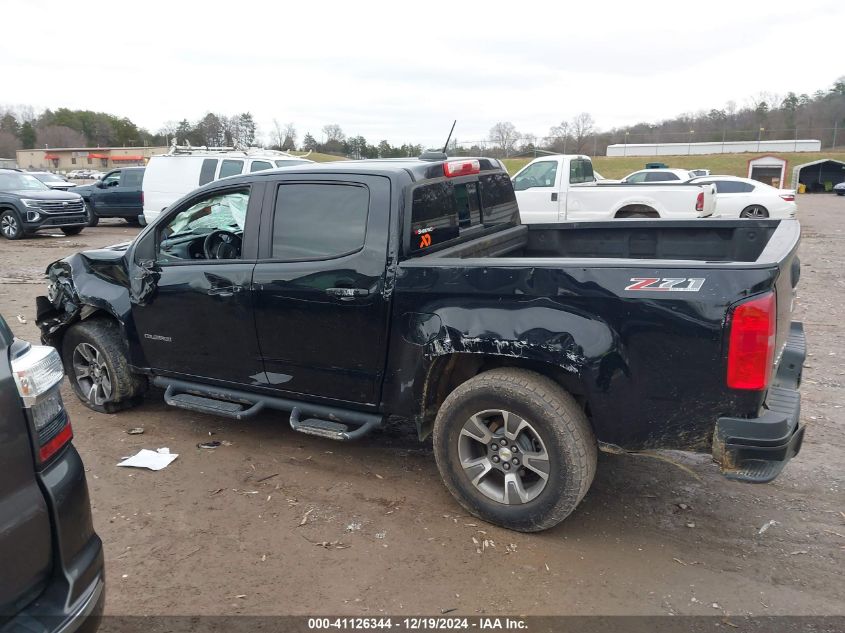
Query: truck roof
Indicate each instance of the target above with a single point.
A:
(416, 168)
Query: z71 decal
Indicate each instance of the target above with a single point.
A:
(666, 284)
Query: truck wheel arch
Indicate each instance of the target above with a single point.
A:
(448, 371)
(637, 211)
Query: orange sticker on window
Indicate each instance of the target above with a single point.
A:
(425, 240)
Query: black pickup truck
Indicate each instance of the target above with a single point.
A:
(118, 194)
(358, 294)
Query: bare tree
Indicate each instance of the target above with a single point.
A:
(9, 144)
(505, 136)
(333, 132)
(558, 136)
(59, 136)
(278, 134)
(289, 137)
(582, 129)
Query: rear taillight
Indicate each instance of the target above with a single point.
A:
(789, 197)
(751, 346)
(38, 373)
(699, 202)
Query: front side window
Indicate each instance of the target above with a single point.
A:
(542, 174)
(231, 168)
(112, 180)
(319, 221)
(580, 170)
(209, 166)
(210, 228)
(637, 177)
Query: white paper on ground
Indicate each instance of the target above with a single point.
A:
(154, 460)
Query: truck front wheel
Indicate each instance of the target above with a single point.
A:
(515, 449)
(94, 355)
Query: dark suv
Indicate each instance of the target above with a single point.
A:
(28, 205)
(115, 195)
(52, 560)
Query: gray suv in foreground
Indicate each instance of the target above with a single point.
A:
(51, 560)
(28, 205)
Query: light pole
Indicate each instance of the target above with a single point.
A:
(689, 145)
(625, 153)
(759, 137)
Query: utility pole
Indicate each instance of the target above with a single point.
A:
(835, 126)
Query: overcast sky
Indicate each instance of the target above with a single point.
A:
(403, 71)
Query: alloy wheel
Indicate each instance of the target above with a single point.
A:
(9, 225)
(503, 456)
(92, 374)
(756, 212)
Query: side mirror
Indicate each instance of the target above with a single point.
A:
(520, 185)
(99, 184)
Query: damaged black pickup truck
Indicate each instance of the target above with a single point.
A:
(358, 294)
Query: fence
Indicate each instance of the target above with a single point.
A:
(597, 143)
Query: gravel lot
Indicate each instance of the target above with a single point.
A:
(282, 523)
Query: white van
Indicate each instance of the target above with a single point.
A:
(170, 176)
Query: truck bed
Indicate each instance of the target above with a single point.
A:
(737, 242)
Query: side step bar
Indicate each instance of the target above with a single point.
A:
(324, 421)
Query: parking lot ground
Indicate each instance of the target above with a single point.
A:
(275, 522)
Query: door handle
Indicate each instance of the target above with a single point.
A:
(554, 197)
(347, 294)
(224, 291)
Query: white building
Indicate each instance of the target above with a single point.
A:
(716, 147)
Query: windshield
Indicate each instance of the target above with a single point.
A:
(16, 181)
(290, 162)
(49, 178)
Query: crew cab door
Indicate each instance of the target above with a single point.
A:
(195, 316)
(537, 190)
(107, 192)
(127, 195)
(320, 310)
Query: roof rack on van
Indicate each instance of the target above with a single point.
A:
(246, 151)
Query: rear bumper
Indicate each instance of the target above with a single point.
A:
(755, 450)
(83, 616)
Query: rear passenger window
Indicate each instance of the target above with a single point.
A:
(732, 186)
(131, 178)
(231, 168)
(440, 211)
(660, 176)
(319, 221)
(580, 170)
(260, 165)
(209, 166)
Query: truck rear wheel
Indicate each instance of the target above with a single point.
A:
(515, 449)
(95, 360)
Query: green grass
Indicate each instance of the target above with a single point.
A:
(731, 164)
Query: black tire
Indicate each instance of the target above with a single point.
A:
(755, 212)
(104, 335)
(555, 418)
(10, 225)
(93, 218)
(72, 230)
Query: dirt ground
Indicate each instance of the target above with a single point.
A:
(282, 523)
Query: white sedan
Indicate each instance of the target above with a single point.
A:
(746, 198)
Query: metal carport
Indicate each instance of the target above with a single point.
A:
(816, 174)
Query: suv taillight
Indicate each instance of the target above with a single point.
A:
(38, 373)
(751, 346)
(699, 202)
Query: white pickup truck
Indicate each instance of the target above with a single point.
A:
(563, 188)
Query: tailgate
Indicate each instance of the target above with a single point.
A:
(789, 271)
(25, 537)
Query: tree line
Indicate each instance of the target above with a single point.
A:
(764, 116)
(820, 115)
